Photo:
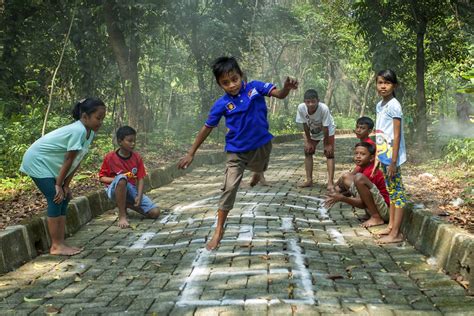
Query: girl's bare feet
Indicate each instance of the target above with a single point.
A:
(63, 250)
(306, 184)
(383, 232)
(372, 222)
(390, 239)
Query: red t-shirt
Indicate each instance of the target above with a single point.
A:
(115, 164)
(370, 141)
(377, 179)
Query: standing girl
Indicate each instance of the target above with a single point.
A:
(391, 151)
(54, 158)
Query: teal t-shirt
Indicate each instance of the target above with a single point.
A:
(46, 156)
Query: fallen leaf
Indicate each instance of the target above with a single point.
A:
(357, 308)
(112, 251)
(290, 275)
(77, 279)
(265, 257)
(51, 310)
(246, 246)
(133, 226)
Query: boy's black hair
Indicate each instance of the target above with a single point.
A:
(124, 131)
(87, 106)
(223, 65)
(364, 120)
(369, 147)
(311, 94)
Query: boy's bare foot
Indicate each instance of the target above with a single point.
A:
(255, 179)
(63, 250)
(123, 223)
(215, 240)
(306, 184)
(383, 232)
(389, 239)
(263, 181)
(372, 222)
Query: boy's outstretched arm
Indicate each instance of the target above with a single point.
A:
(290, 84)
(200, 138)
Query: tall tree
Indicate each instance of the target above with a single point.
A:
(127, 57)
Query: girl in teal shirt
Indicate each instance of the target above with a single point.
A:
(54, 158)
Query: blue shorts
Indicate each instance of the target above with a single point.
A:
(47, 186)
(146, 205)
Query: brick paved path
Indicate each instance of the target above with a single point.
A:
(282, 254)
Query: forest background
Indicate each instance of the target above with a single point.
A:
(150, 62)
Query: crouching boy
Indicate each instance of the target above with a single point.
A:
(122, 172)
(363, 190)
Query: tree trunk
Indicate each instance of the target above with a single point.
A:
(366, 95)
(127, 61)
(421, 129)
(331, 83)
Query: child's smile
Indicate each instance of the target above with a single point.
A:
(362, 157)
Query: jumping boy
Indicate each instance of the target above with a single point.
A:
(368, 191)
(122, 172)
(318, 125)
(248, 141)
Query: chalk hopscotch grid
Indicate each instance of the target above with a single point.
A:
(190, 289)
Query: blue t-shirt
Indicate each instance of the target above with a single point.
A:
(45, 157)
(384, 133)
(245, 117)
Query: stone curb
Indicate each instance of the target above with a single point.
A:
(21, 243)
(451, 248)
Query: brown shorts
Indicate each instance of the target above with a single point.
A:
(254, 160)
(380, 203)
(331, 140)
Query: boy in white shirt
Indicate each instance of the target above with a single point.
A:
(318, 124)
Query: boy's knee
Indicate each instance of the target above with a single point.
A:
(122, 182)
(153, 213)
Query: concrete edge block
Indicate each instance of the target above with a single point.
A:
(38, 235)
(83, 209)
(443, 244)
(15, 246)
(418, 221)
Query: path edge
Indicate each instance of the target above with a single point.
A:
(448, 247)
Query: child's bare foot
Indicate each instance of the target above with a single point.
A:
(390, 239)
(63, 250)
(372, 222)
(255, 179)
(215, 240)
(263, 181)
(384, 232)
(330, 188)
(306, 184)
(123, 223)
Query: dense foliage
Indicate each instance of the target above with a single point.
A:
(149, 61)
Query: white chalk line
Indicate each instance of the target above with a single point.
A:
(303, 277)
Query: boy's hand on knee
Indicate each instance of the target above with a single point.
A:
(308, 147)
(329, 150)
